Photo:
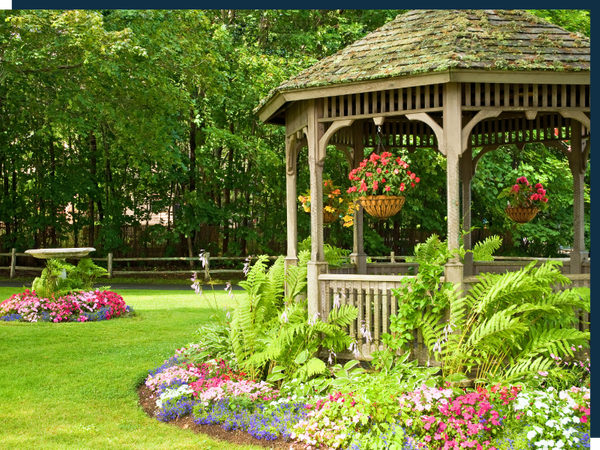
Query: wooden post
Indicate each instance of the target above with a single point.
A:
(577, 165)
(13, 262)
(291, 201)
(392, 257)
(317, 264)
(466, 173)
(207, 266)
(110, 265)
(358, 256)
(453, 146)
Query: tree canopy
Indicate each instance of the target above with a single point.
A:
(110, 117)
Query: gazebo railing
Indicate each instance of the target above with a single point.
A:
(372, 295)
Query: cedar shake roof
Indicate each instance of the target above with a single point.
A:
(438, 40)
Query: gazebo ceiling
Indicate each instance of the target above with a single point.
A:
(429, 42)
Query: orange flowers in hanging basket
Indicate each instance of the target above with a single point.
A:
(335, 204)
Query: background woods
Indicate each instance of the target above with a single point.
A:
(133, 132)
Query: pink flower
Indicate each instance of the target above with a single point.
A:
(515, 188)
(387, 189)
(379, 170)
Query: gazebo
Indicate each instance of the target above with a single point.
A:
(462, 81)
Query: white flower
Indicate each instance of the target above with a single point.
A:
(336, 301)
(531, 434)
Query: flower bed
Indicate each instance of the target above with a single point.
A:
(75, 307)
(372, 411)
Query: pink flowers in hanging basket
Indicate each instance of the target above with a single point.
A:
(523, 195)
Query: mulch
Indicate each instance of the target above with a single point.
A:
(148, 403)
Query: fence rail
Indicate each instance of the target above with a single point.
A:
(110, 260)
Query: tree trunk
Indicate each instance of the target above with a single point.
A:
(53, 208)
(91, 212)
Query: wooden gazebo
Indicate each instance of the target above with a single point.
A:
(454, 80)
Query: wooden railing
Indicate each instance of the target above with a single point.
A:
(372, 296)
(204, 269)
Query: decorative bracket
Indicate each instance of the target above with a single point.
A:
(577, 115)
(335, 126)
(439, 131)
(481, 115)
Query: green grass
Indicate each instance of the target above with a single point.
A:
(73, 385)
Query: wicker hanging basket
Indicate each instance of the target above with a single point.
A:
(382, 206)
(328, 217)
(521, 215)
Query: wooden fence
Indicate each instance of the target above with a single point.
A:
(204, 268)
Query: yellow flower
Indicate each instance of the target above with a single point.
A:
(329, 209)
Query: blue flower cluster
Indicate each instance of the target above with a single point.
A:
(11, 317)
(175, 407)
(98, 315)
(260, 424)
(172, 361)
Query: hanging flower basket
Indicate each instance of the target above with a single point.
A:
(382, 206)
(328, 217)
(335, 204)
(521, 215)
(525, 200)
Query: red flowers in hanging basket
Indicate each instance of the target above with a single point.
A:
(380, 182)
(382, 175)
(524, 200)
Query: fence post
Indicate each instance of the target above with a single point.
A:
(206, 266)
(13, 262)
(392, 257)
(110, 265)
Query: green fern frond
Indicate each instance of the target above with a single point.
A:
(342, 316)
(482, 251)
(312, 367)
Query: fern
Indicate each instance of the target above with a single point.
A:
(483, 251)
(508, 325)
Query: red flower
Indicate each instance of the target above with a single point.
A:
(379, 170)
(369, 174)
(387, 188)
(417, 180)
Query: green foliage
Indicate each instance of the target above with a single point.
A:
(270, 333)
(335, 256)
(483, 250)
(508, 325)
(60, 277)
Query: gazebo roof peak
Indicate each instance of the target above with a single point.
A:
(422, 41)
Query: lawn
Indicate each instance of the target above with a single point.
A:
(73, 385)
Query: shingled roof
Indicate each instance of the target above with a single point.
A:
(437, 40)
